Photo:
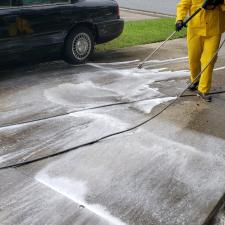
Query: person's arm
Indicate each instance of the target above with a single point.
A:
(182, 9)
(223, 6)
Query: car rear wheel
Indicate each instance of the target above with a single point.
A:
(79, 46)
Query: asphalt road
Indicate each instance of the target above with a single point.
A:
(160, 6)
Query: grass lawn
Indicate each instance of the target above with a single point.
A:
(143, 32)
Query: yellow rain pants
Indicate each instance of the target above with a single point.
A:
(203, 38)
(200, 51)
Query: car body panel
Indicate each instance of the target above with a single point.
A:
(109, 30)
(10, 33)
(41, 29)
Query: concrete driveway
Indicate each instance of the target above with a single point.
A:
(83, 145)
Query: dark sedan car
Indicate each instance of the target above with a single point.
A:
(56, 28)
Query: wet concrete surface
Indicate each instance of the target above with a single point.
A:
(38, 204)
(168, 171)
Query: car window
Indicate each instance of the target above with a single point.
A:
(36, 2)
(5, 3)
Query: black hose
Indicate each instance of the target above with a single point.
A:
(211, 93)
(124, 131)
(89, 143)
(16, 165)
(72, 111)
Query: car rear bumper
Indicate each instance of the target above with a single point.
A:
(107, 31)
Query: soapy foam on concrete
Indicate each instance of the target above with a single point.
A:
(76, 191)
(148, 105)
(97, 119)
(147, 64)
(101, 119)
(124, 84)
(129, 85)
(173, 152)
(115, 63)
(69, 93)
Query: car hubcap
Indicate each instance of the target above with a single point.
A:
(81, 46)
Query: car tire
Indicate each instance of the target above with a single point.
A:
(79, 46)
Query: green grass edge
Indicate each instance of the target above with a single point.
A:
(143, 32)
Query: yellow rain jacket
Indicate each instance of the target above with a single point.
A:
(205, 23)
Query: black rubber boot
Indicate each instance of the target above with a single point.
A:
(193, 87)
(205, 97)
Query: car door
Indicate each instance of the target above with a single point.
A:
(43, 28)
(10, 34)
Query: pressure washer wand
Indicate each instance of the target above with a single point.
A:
(193, 15)
(149, 56)
(184, 24)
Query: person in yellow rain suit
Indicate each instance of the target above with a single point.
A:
(203, 39)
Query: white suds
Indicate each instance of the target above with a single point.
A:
(101, 119)
(76, 191)
(123, 84)
(70, 94)
(148, 105)
(115, 63)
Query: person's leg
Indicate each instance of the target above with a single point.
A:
(195, 48)
(210, 47)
